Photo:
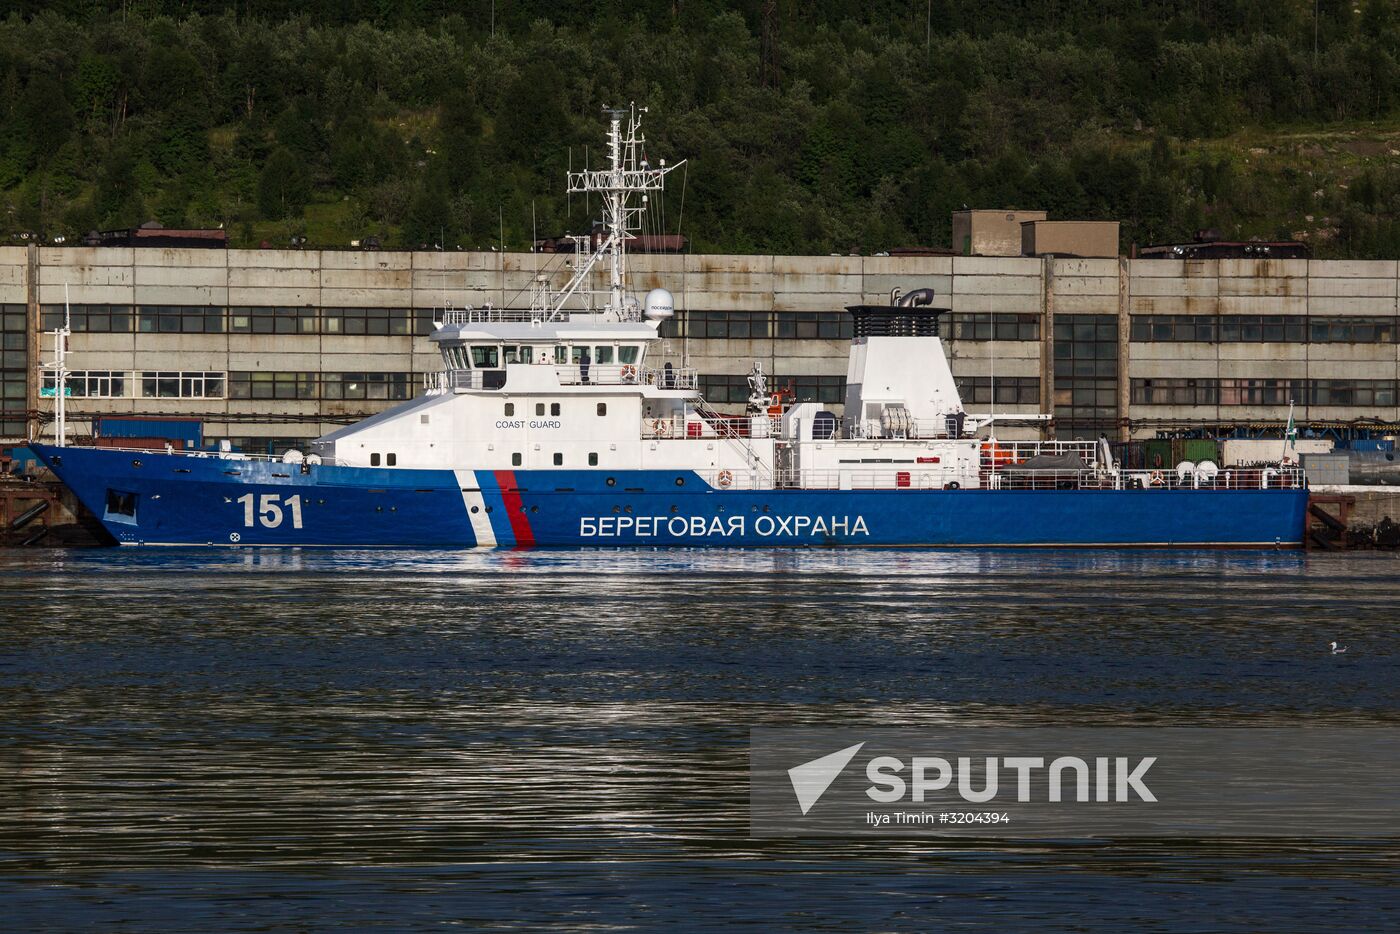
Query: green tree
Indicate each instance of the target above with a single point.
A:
(283, 186)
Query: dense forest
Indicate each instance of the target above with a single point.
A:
(811, 127)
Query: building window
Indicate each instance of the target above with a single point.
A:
(1351, 392)
(271, 385)
(1086, 374)
(593, 459)
(171, 384)
(999, 326)
(376, 386)
(602, 408)
(1254, 329)
(1175, 391)
(515, 460)
(1174, 328)
(1351, 330)
(673, 326)
(728, 325)
(89, 384)
(828, 390)
(367, 321)
(1010, 390)
(93, 319)
(1272, 329)
(558, 460)
(724, 389)
(813, 325)
(180, 319)
(269, 319)
(1258, 391)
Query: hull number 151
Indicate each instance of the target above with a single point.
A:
(270, 511)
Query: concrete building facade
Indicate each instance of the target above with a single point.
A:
(271, 348)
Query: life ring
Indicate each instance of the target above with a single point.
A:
(725, 479)
(662, 427)
(629, 373)
(1157, 479)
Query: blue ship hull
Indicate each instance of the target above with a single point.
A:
(163, 499)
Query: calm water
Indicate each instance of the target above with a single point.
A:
(281, 741)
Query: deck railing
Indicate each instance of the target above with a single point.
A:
(626, 374)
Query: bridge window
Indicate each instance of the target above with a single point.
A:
(628, 353)
(486, 356)
(603, 354)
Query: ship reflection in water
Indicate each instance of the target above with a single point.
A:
(295, 739)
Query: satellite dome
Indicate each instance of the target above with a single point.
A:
(660, 304)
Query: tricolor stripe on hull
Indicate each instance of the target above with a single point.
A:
(515, 509)
(475, 504)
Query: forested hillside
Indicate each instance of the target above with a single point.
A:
(811, 127)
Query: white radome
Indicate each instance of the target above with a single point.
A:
(660, 304)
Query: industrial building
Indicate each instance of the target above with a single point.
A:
(270, 348)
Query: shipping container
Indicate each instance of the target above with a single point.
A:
(1196, 450)
(1238, 452)
(1158, 454)
(1327, 469)
(188, 431)
(139, 444)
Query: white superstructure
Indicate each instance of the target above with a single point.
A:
(577, 381)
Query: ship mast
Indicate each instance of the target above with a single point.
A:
(628, 173)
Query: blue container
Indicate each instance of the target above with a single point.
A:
(25, 461)
(190, 431)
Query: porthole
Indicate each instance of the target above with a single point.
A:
(675, 509)
(136, 463)
(680, 481)
(534, 509)
(612, 481)
(627, 509)
(489, 509)
(476, 509)
(617, 509)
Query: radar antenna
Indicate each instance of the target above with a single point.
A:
(628, 174)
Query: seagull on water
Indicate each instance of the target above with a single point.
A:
(1337, 649)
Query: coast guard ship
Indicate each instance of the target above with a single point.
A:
(553, 426)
